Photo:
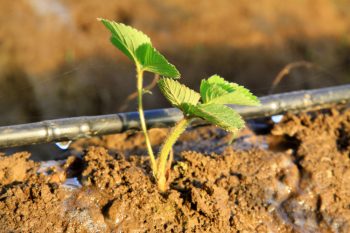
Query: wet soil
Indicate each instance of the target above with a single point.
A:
(293, 179)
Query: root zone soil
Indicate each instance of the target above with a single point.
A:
(296, 178)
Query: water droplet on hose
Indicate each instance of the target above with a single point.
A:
(63, 145)
(276, 118)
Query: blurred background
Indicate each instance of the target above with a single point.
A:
(56, 59)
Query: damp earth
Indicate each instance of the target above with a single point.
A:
(293, 177)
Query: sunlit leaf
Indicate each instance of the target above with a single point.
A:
(126, 38)
(176, 93)
(219, 91)
(217, 114)
(138, 47)
(151, 60)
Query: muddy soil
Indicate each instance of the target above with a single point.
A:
(293, 179)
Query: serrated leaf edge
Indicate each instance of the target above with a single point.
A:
(233, 87)
(165, 85)
(175, 75)
(228, 128)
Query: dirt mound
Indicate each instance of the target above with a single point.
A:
(298, 183)
(15, 168)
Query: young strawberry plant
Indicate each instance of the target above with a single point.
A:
(209, 105)
(138, 47)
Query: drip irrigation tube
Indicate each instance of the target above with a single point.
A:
(82, 127)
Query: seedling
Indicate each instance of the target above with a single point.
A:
(138, 47)
(208, 105)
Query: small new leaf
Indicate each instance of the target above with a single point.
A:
(126, 38)
(138, 47)
(177, 94)
(152, 61)
(217, 114)
(217, 90)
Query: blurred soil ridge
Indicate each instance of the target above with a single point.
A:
(56, 60)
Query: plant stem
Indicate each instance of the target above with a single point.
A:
(175, 133)
(142, 119)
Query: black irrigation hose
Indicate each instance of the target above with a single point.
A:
(88, 126)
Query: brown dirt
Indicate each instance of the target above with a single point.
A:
(295, 179)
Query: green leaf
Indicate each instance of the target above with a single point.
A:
(217, 114)
(217, 90)
(152, 61)
(177, 94)
(126, 38)
(138, 47)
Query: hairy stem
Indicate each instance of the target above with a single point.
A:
(142, 119)
(175, 133)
